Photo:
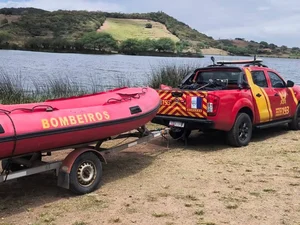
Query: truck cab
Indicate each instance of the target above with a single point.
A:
(234, 99)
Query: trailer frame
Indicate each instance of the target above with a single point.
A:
(64, 169)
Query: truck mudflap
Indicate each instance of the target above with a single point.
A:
(183, 103)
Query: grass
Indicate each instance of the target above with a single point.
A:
(80, 223)
(13, 90)
(122, 29)
(169, 74)
(158, 215)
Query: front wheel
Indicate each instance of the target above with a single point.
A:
(241, 132)
(86, 173)
(295, 124)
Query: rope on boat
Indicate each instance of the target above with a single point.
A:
(128, 97)
(9, 162)
(7, 112)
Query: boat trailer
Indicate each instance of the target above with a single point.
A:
(81, 170)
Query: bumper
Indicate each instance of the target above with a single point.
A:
(190, 123)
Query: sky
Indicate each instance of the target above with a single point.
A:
(273, 21)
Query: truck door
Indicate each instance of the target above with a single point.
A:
(259, 86)
(282, 101)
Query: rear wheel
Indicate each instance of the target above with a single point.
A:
(295, 124)
(241, 132)
(86, 173)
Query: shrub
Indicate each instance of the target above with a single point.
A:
(4, 21)
(148, 25)
(169, 74)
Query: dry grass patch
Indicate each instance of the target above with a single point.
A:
(122, 29)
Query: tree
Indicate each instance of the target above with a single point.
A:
(130, 46)
(182, 45)
(4, 37)
(201, 45)
(295, 50)
(283, 48)
(4, 21)
(104, 41)
(272, 46)
(264, 44)
(165, 45)
(147, 45)
(148, 25)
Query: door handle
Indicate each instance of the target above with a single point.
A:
(276, 94)
(258, 95)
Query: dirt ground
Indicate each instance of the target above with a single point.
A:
(206, 182)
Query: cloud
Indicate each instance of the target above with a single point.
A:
(51, 5)
(263, 8)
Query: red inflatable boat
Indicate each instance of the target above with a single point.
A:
(60, 123)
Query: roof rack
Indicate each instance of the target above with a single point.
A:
(248, 62)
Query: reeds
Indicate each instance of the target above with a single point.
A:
(170, 74)
(13, 90)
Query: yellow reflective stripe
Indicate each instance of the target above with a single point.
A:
(268, 103)
(294, 96)
(261, 102)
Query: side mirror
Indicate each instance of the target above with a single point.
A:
(290, 83)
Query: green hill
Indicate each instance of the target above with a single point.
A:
(240, 46)
(136, 33)
(36, 29)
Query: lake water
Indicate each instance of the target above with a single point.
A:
(105, 69)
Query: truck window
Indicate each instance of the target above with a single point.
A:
(231, 75)
(259, 78)
(276, 81)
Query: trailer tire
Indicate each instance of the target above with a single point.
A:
(86, 173)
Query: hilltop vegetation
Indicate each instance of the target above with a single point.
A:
(240, 46)
(68, 30)
(136, 33)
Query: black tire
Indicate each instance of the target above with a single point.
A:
(241, 132)
(295, 124)
(86, 173)
(177, 133)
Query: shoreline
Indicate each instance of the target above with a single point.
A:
(94, 52)
(158, 54)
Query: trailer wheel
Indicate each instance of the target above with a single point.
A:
(86, 173)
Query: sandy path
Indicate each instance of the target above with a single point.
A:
(206, 183)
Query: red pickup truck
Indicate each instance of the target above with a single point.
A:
(229, 98)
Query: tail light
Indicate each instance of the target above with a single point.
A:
(212, 104)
